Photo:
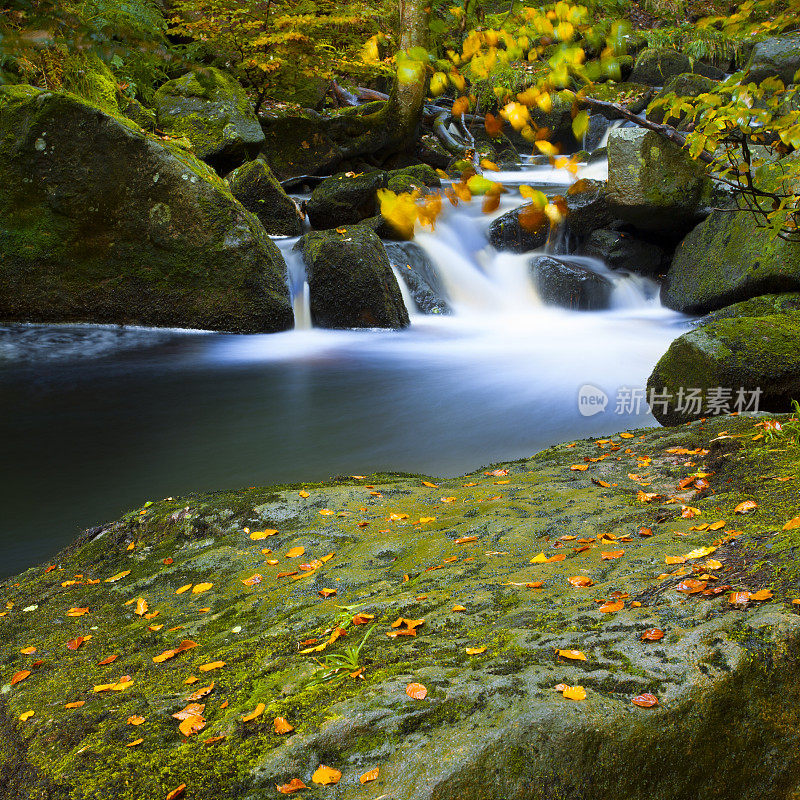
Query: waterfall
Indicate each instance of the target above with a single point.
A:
(296, 280)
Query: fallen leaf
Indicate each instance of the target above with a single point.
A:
(372, 775)
(458, 608)
(361, 619)
(199, 588)
(192, 725)
(645, 532)
(75, 704)
(192, 710)
(201, 693)
(20, 676)
(107, 660)
(77, 612)
(135, 720)
(74, 644)
(327, 592)
(257, 536)
(294, 785)
(255, 714)
(141, 607)
(611, 608)
(792, 524)
(540, 559)
(134, 743)
(474, 651)
(186, 644)
(701, 552)
(294, 552)
(607, 555)
(26, 715)
(326, 776)
(183, 589)
(715, 526)
(253, 580)
(416, 691)
(645, 700)
(746, 507)
(465, 539)
(579, 467)
(763, 594)
(176, 793)
(575, 655)
(431, 485)
(652, 635)
(580, 580)
(27, 651)
(574, 692)
(675, 559)
(118, 576)
(691, 586)
(210, 666)
(281, 726)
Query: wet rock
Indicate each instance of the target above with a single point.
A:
(493, 724)
(737, 352)
(211, 109)
(103, 223)
(420, 276)
(560, 282)
(775, 57)
(507, 232)
(345, 199)
(350, 281)
(587, 207)
(687, 84)
(623, 250)
(259, 191)
(652, 183)
(656, 65)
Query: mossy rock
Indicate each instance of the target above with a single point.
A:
(492, 724)
(350, 280)
(729, 258)
(210, 109)
(103, 223)
(345, 199)
(144, 117)
(775, 57)
(762, 306)
(736, 353)
(652, 183)
(687, 84)
(259, 191)
(656, 65)
(634, 96)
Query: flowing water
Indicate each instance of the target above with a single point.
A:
(97, 419)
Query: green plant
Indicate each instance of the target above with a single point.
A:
(777, 431)
(335, 667)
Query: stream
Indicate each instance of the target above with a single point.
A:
(98, 419)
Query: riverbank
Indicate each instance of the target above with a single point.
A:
(239, 598)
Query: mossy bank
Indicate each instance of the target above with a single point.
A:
(455, 553)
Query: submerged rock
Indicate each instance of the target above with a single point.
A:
(419, 274)
(103, 223)
(735, 352)
(212, 111)
(509, 232)
(560, 282)
(652, 183)
(259, 191)
(488, 625)
(350, 281)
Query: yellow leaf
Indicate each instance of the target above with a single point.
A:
(141, 607)
(294, 552)
(425, 520)
(700, 552)
(746, 507)
(547, 148)
(474, 651)
(258, 535)
(372, 775)
(431, 485)
(134, 743)
(326, 775)
(304, 494)
(26, 715)
(575, 655)
(574, 693)
(75, 704)
(199, 588)
(259, 710)
(792, 524)
(211, 665)
(118, 576)
(459, 608)
(540, 559)
(183, 589)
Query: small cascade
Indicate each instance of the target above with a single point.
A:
(408, 300)
(296, 280)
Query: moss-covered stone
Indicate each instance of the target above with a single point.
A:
(492, 724)
(258, 190)
(634, 96)
(656, 65)
(775, 57)
(212, 111)
(738, 352)
(345, 199)
(350, 281)
(103, 223)
(687, 84)
(652, 183)
(728, 258)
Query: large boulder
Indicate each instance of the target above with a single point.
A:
(212, 111)
(727, 361)
(100, 222)
(258, 190)
(687, 84)
(728, 258)
(493, 636)
(775, 57)
(623, 250)
(569, 284)
(652, 183)
(419, 274)
(519, 231)
(656, 65)
(350, 280)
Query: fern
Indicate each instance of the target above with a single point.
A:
(700, 43)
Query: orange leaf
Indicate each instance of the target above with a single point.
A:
(675, 559)
(326, 775)
(579, 467)
(580, 580)
(192, 710)
(460, 106)
(107, 660)
(575, 655)
(361, 619)
(792, 524)
(134, 743)
(201, 693)
(645, 700)
(294, 785)
(764, 594)
(493, 124)
(372, 775)
(416, 691)
(27, 651)
(74, 644)
(255, 714)
(465, 539)
(281, 726)
(135, 720)
(257, 536)
(141, 607)
(77, 612)
(431, 485)
(746, 507)
(327, 592)
(75, 704)
(644, 532)
(611, 608)
(176, 793)
(210, 666)
(609, 554)
(652, 635)
(20, 676)
(295, 552)
(183, 589)
(192, 725)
